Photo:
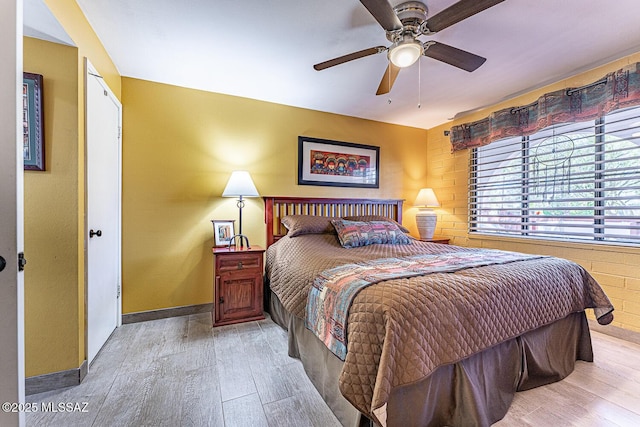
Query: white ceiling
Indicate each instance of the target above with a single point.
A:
(39, 22)
(265, 49)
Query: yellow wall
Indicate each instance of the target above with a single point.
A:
(180, 146)
(51, 219)
(615, 267)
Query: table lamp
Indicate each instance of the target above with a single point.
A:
(240, 185)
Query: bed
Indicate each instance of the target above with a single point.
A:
(432, 334)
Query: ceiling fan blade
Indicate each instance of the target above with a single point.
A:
(453, 56)
(457, 12)
(384, 14)
(388, 79)
(350, 57)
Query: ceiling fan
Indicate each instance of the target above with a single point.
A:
(404, 24)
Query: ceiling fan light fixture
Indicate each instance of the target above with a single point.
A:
(405, 53)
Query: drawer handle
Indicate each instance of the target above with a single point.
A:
(240, 266)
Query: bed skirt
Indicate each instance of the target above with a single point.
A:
(475, 391)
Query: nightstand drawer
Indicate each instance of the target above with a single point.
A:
(233, 262)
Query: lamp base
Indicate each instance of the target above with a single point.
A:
(242, 238)
(426, 220)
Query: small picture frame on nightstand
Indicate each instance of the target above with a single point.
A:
(223, 231)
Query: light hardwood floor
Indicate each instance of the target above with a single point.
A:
(181, 372)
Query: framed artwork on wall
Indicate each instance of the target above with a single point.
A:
(32, 122)
(337, 164)
(223, 231)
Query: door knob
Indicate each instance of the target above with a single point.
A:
(95, 233)
(3, 263)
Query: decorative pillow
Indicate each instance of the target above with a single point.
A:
(362, 233)
(306, 224)
(376, 218)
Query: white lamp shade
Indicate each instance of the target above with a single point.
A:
(426, 197)
(240, 184)
(405, 54)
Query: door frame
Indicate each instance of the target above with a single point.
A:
(12, 370)
(91, 72)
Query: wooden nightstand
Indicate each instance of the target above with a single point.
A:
(442, 240)
(237, 288)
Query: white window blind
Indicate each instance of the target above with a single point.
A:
(577, 181)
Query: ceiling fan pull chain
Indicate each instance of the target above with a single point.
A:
(419, 83)
(389, 81)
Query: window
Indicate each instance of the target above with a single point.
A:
(578, 181)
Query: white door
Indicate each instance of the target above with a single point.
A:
(103, 119)
(11, 214)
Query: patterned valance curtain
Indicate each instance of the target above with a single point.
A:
(616, 90)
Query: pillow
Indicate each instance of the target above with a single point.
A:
(362, 233)
(307, 224)
(376, 218)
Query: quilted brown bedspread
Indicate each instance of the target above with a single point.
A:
(400, 330)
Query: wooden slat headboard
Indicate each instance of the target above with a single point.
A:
(278, 207)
